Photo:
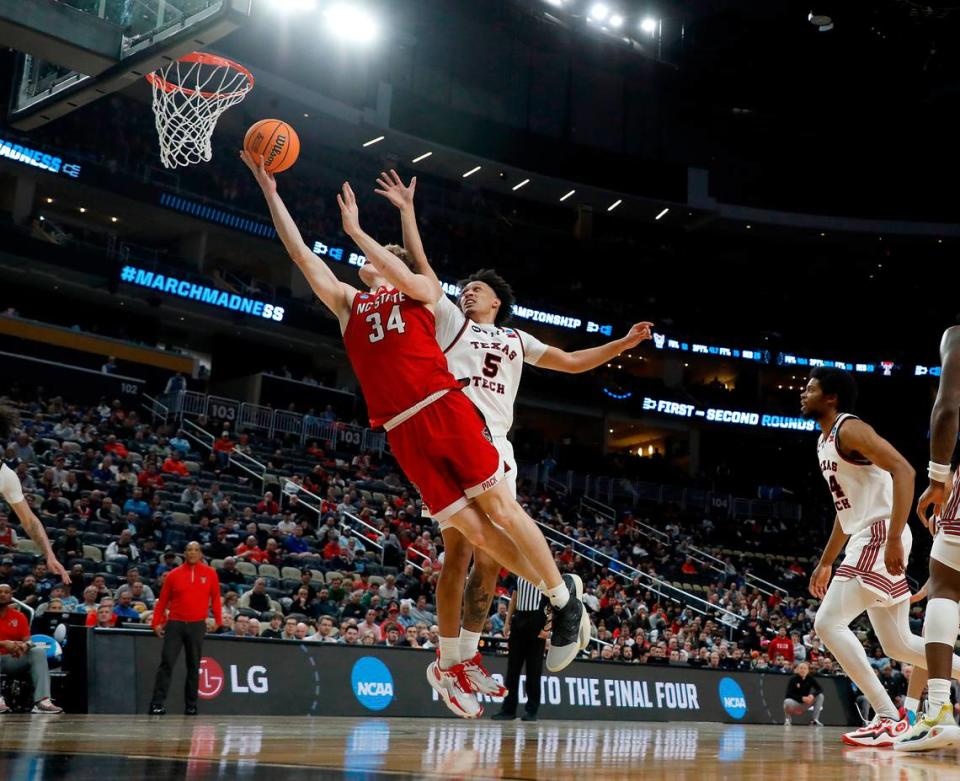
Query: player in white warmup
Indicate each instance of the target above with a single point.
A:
(872, 489)
(12, 493)
(488, 359)
(938, 729)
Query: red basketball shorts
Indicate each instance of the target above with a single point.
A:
(446, 452)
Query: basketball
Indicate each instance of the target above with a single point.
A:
(275, 141)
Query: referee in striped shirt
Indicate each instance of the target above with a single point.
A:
(526, 631)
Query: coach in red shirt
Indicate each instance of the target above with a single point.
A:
(189, 593)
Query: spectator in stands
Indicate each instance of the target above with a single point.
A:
(250, 551)
(191, 494)
(421, 614)
(122, 550)
(54, 504)
(103, 617)
(326, 631)
(499, 618)
(97, 619)
(222, 449)
(136, 504)
(133, 578)
(274, 630)
(241, 626)
(303, 604)
(22, 449)
(255, 627)
(332, 552)
(350, 637)
(108, 512)
(388, 589)
(89, 603)
(803, 694)
(8, 537)
(7, 575)
(124, 607)
(168, 563)
(150, 480)
(781, 645)
(18, 655)
(289, 629)
(229, 574)
(268, 505)
(219, 548)
(880, 659)
(173, 465)
(353, 609)
(180, 444)
(231, 604)
(895, 683)
(257, 598)
(115, 447)
(369, 623)
(69, 545)
(296, 547)
(140, 596)
(110, 367)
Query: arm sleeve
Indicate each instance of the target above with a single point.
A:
(160, 609)
(216, 607)
(533, 348)
(449, 319)
(10, 488)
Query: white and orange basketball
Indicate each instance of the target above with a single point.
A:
(275, 141)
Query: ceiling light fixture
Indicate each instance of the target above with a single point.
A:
(373, 141)
(614, 205)
(649, 25)
(424, 156)
(471, 172)
(662, 214)
(567, 196)
(520, 184)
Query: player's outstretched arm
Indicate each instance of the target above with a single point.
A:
(392, 188)
(585, 360)
(337, 296)
(35, 531)
(943, 426)
(417, 286)
(858, 437)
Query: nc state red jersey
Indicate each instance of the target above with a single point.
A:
(392, 345)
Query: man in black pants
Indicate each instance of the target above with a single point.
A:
(189, 592)
(526, 632)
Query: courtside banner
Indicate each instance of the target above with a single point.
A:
(277, 678)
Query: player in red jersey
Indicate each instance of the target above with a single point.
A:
(435, 433)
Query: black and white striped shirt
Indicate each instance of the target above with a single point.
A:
(526, 596)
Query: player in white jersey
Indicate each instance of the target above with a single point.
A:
(488, 358)
(872, 489)
(12, 492)
(937, 729)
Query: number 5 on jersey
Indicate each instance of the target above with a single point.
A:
(394, 323)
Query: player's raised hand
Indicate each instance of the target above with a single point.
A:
(392, 188)
(265, 179)
(349, 211)
(819, 581)
(894, 558)
(933, 495)
(639, 332)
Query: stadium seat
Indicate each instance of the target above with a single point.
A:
(375, 580)
(247, 569)
(290, 573)
(181, 519)
(28, 546)
(193, 467)
(269, 571)
(216, 563)
(330, 575)
(92, 553)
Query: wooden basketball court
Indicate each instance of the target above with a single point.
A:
(280, 748)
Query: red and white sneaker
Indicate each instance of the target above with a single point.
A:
(480, 678)
(879, 733)
(46, 706)
(455, 689)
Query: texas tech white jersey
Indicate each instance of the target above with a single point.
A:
(862, 492)
(487, 360)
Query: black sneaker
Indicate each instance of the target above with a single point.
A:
(565, 643)
(528, 717)
(190, 710)
(503, 716)
(158, 710)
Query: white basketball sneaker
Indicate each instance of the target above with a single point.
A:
(878, 733)
(455, 689)
(480, 678)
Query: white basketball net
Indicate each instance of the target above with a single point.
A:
(189, 95)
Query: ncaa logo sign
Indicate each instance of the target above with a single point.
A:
(372, 683)
(211, 678)
(732, 699)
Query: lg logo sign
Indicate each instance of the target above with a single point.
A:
(212, 679)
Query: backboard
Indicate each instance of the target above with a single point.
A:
(72, 52)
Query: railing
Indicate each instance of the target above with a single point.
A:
(158, 410)
(237, 458)
(306, 428)
(657, 585)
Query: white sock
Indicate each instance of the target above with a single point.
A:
(449, 652)
(558, 595)
(469, 644)
(938, 693)
(911, 704)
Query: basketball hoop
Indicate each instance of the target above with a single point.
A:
(189, 95)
